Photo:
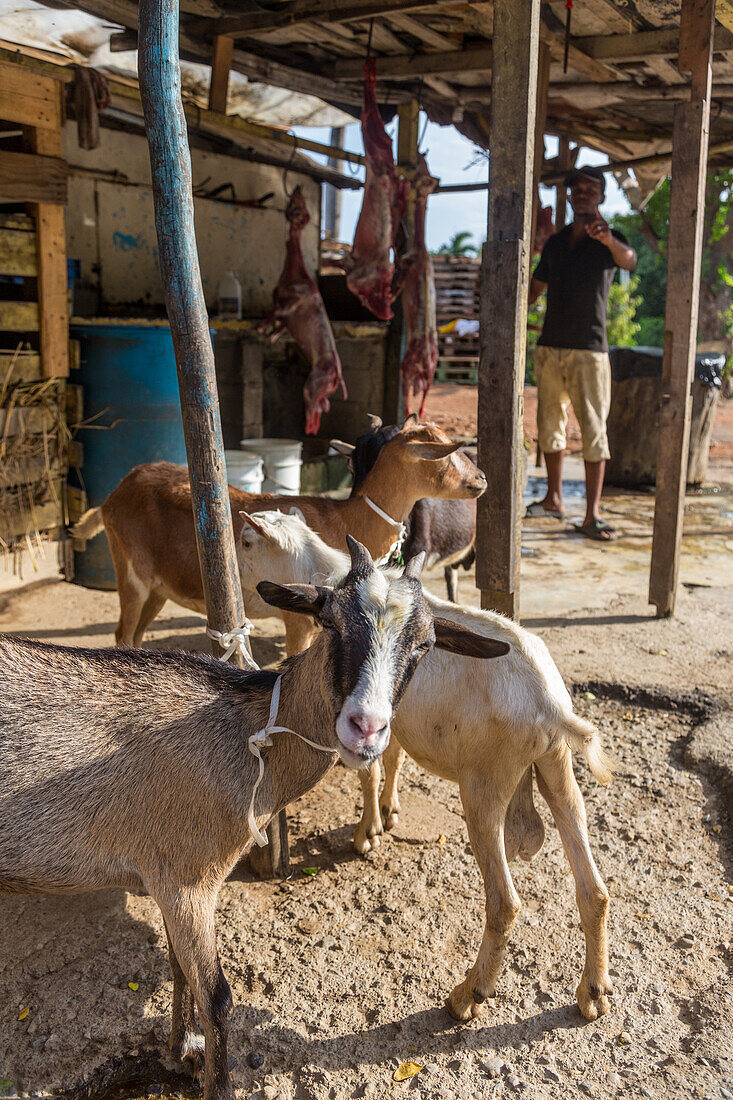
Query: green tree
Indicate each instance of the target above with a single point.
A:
(621, 325)
(648, 231)
(459, 245)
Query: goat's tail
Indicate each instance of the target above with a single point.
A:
(583, 736)
(90, 524)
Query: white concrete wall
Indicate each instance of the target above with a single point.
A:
(111, 229)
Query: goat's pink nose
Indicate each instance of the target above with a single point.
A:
(368, 726)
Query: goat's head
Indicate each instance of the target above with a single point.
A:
(282, 548)
(423, 453)
(377, 627)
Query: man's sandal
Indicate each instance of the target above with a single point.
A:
(535, 510)
(597, 529)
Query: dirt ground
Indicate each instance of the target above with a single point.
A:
(455, 408)
(339, 976)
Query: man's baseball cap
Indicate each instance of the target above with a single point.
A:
(586, 171)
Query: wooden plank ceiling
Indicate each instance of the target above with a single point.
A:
(617, 95)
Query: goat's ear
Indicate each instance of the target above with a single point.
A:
(459, 639)
(375, 422)
(431, 451)
(305, 598)
(411, 421)
(415, 566)
(345, 449)
(261, 526)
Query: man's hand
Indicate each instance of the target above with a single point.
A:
(599, 229)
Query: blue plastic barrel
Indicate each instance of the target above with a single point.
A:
(132, 407)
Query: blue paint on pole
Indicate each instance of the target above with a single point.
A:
(170, 162)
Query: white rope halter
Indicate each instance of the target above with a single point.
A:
(396, 547)
(233, 640)
(263, 739)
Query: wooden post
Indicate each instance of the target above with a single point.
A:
(332, 195)
(686, 220)
(543, 83)
(170, 162)
(504, 285)
(220, 65)
(393, 405)
(561, 191)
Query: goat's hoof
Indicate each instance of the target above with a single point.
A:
(463, 1005)
(365, 842)
(191, 1051)
(390, 817)
(593, 998)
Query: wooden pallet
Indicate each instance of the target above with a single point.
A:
(461, 369)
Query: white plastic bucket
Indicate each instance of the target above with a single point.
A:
(244, 470)
(282, 463)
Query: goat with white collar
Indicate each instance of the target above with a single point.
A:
(482, 726)
(144, 770)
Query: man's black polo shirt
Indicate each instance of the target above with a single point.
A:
(578, 281)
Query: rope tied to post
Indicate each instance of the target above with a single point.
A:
(233, 641)
(263, 740)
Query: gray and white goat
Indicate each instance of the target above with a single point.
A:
(134, 769)
(482, 726)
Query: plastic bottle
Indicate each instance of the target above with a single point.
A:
(229, 297)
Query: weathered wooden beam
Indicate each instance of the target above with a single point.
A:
(578, 59)
(308, 11)
(477, 59)
(220, 65)
(641, 44)
(504, 281)
(170, 162)
(25, 177)
(240, 132)
(686, 223)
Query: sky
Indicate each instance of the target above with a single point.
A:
(450, 156)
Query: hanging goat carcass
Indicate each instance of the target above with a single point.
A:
(299, 308)
(369, 267)
(416, 282)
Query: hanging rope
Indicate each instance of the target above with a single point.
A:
(369, 40)
(568, 13)
(288, 166)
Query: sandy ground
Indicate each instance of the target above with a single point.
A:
(455, 406)
(341, 975)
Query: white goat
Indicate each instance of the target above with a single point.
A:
(482, 726)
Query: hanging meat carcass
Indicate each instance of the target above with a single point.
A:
(416, 281)
(369, 268)
(299, 308)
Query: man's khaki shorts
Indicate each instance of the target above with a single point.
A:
(581, 378)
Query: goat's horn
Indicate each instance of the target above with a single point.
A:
(361, 559)
(410, 420)
(415, 566)
(375, 422)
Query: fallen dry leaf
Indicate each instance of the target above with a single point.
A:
(133, 986)
(406, 1071)
(23, 1013)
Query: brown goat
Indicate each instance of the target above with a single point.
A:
(135, 769)
(150, 524)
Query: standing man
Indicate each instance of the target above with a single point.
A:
(576, 269)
